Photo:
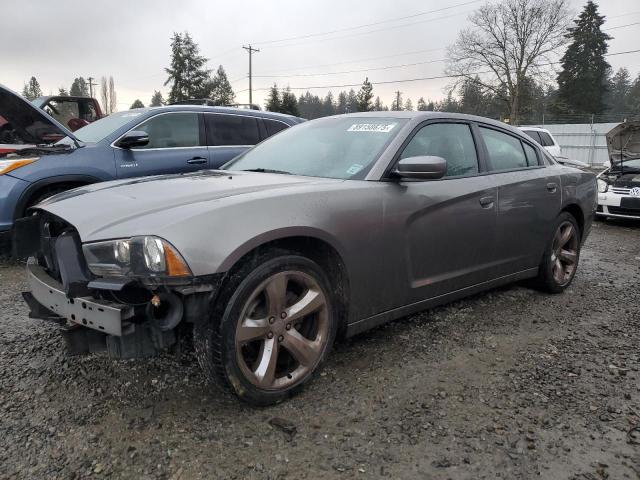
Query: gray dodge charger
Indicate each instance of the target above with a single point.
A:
(327, 229)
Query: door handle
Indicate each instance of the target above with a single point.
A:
(552, 187)
(487, 202)
(197, 161)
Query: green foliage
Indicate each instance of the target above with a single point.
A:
(396, 105)
(79, 88)
(364, 97)
(273, 101)
(408, 105)
(136, 104)
(422, 105)
(617, 98)
(582, 81)
(31, 89)
(156, 99)
(289, 104)
(221, 91)
(63, 92)
(187, 73)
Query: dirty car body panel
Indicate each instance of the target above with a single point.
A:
(402, 244)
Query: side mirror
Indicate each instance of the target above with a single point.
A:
(134, 138)
(421, 168)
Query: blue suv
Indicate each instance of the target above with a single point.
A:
(147, 141)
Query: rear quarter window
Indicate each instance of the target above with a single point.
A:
(231, 130)
(274, 127)
(547, 141)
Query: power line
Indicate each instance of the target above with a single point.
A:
(621, 26)
(438, 77)
(351, 71)
(311, 35)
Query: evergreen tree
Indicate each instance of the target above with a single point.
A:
(342, 106)
(273, 100)
(79, 88)
(31, 89)
(187, 73)
(329, 105)
(63, 92)
(289, 103)
(378, 106)
(136, 104)
(431, 106)
(634, 97)
(619, 88)
(583, 79)
(364, 97)
(396, 105)
(156, 99)
(352, 101)
(408, 105)
(221, 91)
(422, 105)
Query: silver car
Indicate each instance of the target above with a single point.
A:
(327, 229)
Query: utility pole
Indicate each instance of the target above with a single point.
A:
(398, 93)
(91, 84)
(250, 49)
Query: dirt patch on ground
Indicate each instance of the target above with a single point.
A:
(511, 384)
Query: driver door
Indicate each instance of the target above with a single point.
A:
(176, 145)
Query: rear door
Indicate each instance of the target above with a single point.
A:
(228, 135)
(176, 144)
(529, 198)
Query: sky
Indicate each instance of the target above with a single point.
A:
(57, 41)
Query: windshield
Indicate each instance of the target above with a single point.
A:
(337, 147)
(627, 164)
(100, 129)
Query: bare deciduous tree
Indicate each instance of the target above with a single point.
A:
(108, 95)
(508, 42)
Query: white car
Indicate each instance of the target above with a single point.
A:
(619, 185)
(546, 140)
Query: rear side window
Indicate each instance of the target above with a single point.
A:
(274, 127)
(534, 134)
(505, 151)
(231, 130)
(530, 153)
(451, 141)
(547, 141)
(171, 130)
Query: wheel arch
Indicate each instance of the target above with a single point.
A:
(576, 211)
(309, 243)
(38, 187)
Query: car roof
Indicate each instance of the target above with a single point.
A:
(535, 129)
(289, 119)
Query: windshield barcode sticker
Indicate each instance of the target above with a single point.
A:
(371, 127)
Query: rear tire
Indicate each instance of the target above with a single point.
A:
(270, 329)
(561, 256)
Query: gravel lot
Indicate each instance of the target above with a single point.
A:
(510, 384)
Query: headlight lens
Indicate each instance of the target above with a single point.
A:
(7, 166)
(602, 186)
(136, 257)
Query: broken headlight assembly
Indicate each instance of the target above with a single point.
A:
(603, 186)
(145, 256)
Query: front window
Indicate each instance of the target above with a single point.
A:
(340, 147)
(101, 129)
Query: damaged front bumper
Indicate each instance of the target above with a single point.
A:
(105, 317)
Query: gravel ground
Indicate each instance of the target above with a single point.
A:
(510, 384)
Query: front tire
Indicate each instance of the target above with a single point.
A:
(270, 329)
(560, 260)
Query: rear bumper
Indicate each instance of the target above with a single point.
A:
(104, 317)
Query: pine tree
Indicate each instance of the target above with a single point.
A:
(342, 106)
(352, 101)
(422, 105)
(473, 99)
(634, 97)
(619, 89)
(583, 79)
(378, 106)
(136, 104)
(273, 101)
(79, 88)
(289, 103)
(156, 99)
(365, 95)
(62, 92)
(31, 89)
(408, 105)
(396, 105)
(328, 105)
(187, 73)
(221, 91)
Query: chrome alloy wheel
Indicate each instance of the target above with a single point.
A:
(282, 331)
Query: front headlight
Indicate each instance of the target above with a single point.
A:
(135, 257)
(7, 166)
(602, 186)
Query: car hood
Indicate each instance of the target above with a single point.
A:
(30, 123)
(138, 206)
(623, 142)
